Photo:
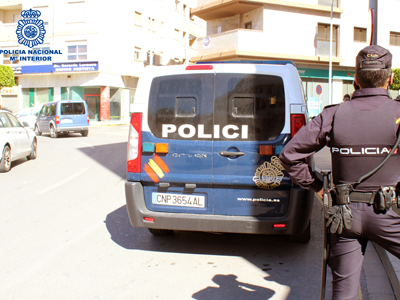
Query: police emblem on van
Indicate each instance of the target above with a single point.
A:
(269, 175)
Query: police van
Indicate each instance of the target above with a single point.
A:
(203, 150)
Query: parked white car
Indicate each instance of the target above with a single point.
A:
(28, 115)
(16, 141)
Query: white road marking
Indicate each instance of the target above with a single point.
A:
(87, 145)
(61, 182)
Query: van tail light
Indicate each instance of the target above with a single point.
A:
(57, 120)
(297, 121)
(88, 119)
(135, 138)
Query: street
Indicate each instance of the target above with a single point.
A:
(65, 234)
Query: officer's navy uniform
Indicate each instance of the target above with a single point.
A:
(360, 133)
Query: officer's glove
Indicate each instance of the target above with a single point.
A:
(339, 218)
(347, 217)
(334, 216)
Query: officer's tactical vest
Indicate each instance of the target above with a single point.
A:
(360, 141)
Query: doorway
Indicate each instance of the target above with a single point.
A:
(93, 103)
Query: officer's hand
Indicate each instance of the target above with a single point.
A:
(320, 193)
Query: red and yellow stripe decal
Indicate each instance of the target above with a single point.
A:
(156, 168)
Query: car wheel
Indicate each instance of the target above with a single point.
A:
(5, 163)
(53, 132)
(302, 237)
(37, 131)
(33, 154)
(85, 132)
(160, 231)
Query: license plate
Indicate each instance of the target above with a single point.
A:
(179, 200)
(63, 121)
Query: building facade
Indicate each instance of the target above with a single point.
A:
(91, 50)
(299, 30)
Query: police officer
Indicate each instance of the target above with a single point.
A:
(360, 133)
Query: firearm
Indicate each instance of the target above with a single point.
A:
(327, 203)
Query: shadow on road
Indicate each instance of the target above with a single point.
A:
(106, 156)
(229, 285)
(292, 264)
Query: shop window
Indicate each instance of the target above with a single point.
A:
(360, 35)
(43, 95)
(394, 38)
(77, 52)
(76, 12)
(323, 39)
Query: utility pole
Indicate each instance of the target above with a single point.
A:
(373, 6)
(330, 57)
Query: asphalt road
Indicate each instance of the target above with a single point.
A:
(65, 234)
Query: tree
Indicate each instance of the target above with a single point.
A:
(6, 76)
(396, 80)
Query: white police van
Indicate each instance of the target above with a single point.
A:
(203, 150)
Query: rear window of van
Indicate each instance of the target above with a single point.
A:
(73, 108)
(223, 106)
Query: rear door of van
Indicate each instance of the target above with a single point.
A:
(249, 112)
(177, 146)
(73, 114)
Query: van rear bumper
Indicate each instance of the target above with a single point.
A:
(296, 219)
(72, 128)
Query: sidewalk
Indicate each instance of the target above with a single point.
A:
(381, 269)
(109, 123)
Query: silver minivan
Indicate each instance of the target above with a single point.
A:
(62, 117)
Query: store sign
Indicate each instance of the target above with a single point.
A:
(9, 90)
(76, 67)
(86, 66)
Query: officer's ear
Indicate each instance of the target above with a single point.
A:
(391, 79)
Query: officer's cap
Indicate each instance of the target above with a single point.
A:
(374, 57)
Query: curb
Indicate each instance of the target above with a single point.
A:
(387, 262)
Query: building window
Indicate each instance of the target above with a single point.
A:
(192, 39)
(328, 3)
(177, 35)
(323, 39)
(76, 12)
(360, 34)
(44, 14)
(39, 55)
(184, 10)
(151, 25)
(394, 38)
(138, 19)
(77, 52)
(148, 57)
(137, 53)
(248, 25)
(10, 59)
